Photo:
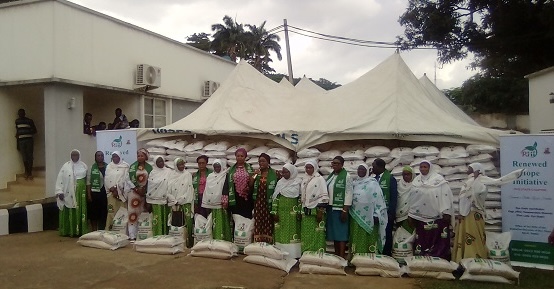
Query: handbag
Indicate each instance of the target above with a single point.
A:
(177, 217)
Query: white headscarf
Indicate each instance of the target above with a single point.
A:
(117, 176)
(290, 187)
(66, 182)
(404, 189)
(214, 187)
(158, 184)
(181, 190)
(478, 167)
(314, 188)
(431, 196)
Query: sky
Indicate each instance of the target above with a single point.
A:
(375, 20)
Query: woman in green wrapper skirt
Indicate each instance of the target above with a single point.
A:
(71, 197)
(215, 194)
(263, 184)
(181, 196)
(157, 195)
(368, 213)
(286, 211)
(314, 200)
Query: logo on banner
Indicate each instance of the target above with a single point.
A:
(117, 143)
(529, 151)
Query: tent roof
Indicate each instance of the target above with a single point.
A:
(306, 84)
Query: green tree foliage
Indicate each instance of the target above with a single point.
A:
(200, 40)
(509, 39)
(229, 39)
(259, 44)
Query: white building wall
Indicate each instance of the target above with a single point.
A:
(541, 111)
(63, 40)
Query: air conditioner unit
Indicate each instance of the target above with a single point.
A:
(148, 75)
(209, 88)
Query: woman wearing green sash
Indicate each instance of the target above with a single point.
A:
(263, 183)
(286, 211)
(71, 197)
(239, 198)
(368, 213)
(314, 200)
(339, 186)
(182, 194)
(96, 193)
(216, 188)
(138, 174)
(157, 196)
(199, 184)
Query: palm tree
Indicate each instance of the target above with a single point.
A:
(228, 39)
(258, 46)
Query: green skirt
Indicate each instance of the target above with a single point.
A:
(313, 233)
(159, 219)
(287, 230)
(73, 222)
(361, 241)
(221, 225)
(189, 223)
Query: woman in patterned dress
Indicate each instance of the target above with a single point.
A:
(286, 211)
(199, 184)
(314, 201)
(263, 183)
(239, 198)
(182, 194)
(71, 197)
(136, 203)
(368, 214)
(117, 174)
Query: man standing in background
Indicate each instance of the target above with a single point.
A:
(25, 129)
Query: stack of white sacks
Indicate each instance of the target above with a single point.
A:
(104, 240)
(369, 264)
(261, 253)
(432, 267)
(163, 244)
(486, 270)
(322, 263)
(216, 249)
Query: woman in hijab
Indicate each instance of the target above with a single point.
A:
(403, 204)
(97, 202)
(470, 232)
(216, 187)
(314, 201)
(181, 194)
(431, 213)
(369, 214)
(71, 197)
(138, 175)
(285, 211)
(157, 195)
(339, 186)
(263, 184)
(199, 184)
(240, 195)
(117, 173)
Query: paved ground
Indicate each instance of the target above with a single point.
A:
(45, 260)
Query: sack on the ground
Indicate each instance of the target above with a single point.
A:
(377, 261)
(178, 232)
(102, 245)
(202, 228)
(498, 245)
(160, 250)
(366, 271)
(478, 266)
(216, 246)
(265, 249)
(211, 254)
(484, 278)
(283, 264)
(162, 241)
(243, 231)
(402, 245)
(104, 240)
(428, 263)
(317, 269)
(432, 274)
(120, 221)
(144, 226)
(323, 259)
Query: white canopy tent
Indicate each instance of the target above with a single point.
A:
(388, 102)
(305, 84)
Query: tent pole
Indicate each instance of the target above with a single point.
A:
(289, 61)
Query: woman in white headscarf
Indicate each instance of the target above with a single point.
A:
(285, 208)
(403, 204)
(71, 197)
(181, 196)
(470, 232)
(314, 201)
(157, 195)
(431, 213)
(117, 173)
(369, 214)
(217, 189)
